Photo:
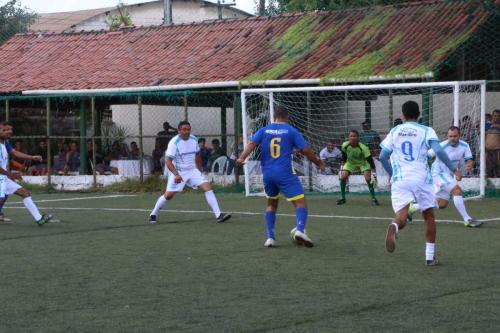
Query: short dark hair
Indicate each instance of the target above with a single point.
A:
(411, 110)
(5, 123)
(397, 122)
(454, 128)
(182, 123)
(216, 141)
(280, 111)
(496, 111)
(354, 131)
(200, 140)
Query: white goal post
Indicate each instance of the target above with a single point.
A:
(326, 114)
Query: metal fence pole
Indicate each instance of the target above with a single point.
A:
(94, 165)
(83, 139)
(185, 106)
(223, 129)
(237, 111)
(141, 158)
(49, 150)
(7, 110)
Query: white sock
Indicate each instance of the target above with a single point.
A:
(159, 204)
(31, 207)
(416, 206)
(212, 201)
(429, 251)
(397, 226)
(458, 200)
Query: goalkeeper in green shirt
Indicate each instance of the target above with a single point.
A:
(356, 155)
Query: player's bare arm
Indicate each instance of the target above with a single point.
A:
(197, 161)
(311, 156)
(24, 156)
(248, 149)
(171, 167)
(10, 174)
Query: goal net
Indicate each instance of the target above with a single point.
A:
(325, 115)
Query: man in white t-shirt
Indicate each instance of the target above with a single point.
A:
(332, 157)
(183, 161)
(445, 183)
(407, 146)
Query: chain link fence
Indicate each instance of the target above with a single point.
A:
(121, 135)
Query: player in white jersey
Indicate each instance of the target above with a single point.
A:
(9, 186)
(407, 146)
(445, 184)
(183, 160)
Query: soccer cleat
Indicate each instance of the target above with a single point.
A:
(269, 242)
(341, 201)
(390, 238)
(223, 217)
(411, 210)
(44, 219)
(152, 219)
(302, 239)
(433, 262)
(375, 202)
(471, 223)
(4, 219)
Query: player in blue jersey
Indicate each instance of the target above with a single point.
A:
(278, 141)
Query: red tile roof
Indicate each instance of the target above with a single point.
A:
(408, 39)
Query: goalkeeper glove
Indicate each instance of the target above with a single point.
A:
(373, 179)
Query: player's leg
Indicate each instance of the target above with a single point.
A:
(458, 201)
(344, 176)
(13, 187)
(401, 197)
(2, 215)
(370, 182)
(171, 190)
(294, 192)
(430, 237)
(271, 209)
(195, 179)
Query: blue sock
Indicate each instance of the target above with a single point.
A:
(3, 203)
(270, 221)
(301, 215)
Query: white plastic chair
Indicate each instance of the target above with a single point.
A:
(219, 165)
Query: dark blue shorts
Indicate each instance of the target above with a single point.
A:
(289, 185)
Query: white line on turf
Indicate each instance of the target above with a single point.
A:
(245, 213)
(81, 198)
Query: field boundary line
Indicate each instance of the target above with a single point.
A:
(245, 213)
(78, 198)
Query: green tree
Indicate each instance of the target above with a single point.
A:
(122, 19)
(14, 19)
(280, 6)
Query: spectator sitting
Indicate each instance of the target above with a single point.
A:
(115, 153)
(157, 156)
(39, 168)
(100, 166)
(489, 121)
(134, 153)
(375, 149)
(60, 157)
(72, 159)
(368, 135)
(237, 150)
(16, 164)
(397, 122)
(166, 135)
(204, 154)
(331, 156)
(493, 146)
(217, 152)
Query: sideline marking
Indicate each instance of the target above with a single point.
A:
(244, 213)
(77, 198)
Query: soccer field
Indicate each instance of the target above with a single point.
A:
(104, 269)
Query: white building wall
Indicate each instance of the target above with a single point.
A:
(151, 13)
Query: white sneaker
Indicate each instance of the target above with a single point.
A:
(302, 239)
(269, 242)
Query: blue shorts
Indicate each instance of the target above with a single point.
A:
(289, 185)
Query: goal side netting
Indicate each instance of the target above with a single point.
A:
(325, 115)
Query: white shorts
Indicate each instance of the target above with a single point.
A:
(8, 187)
(193, 178)
(402, 193)
(443, 184)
